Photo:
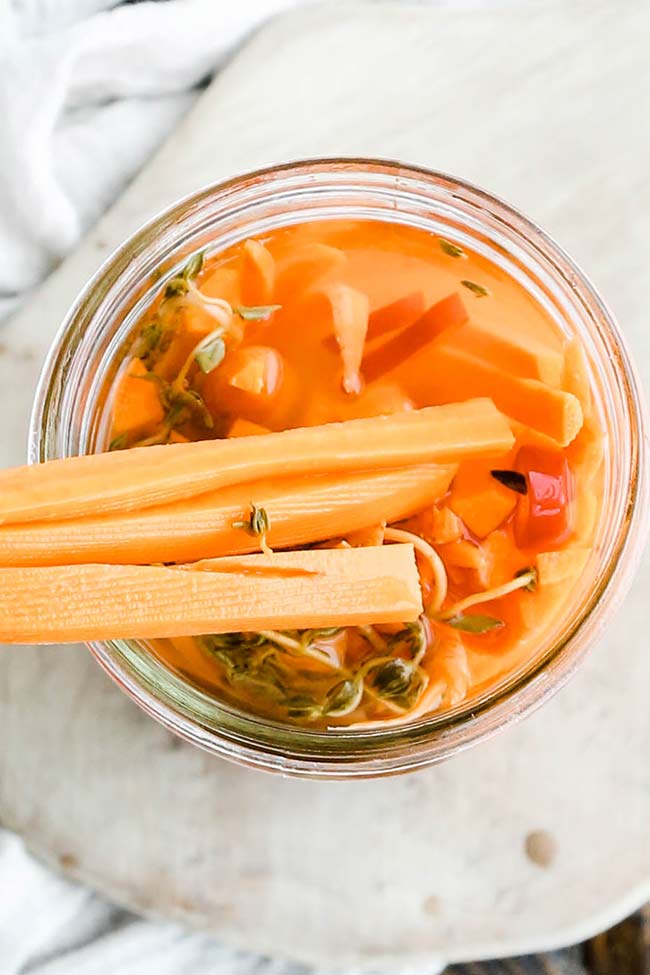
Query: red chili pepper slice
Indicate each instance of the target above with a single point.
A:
(543, 515)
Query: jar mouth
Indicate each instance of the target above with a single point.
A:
(63, 423)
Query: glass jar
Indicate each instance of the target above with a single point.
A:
(65, 414)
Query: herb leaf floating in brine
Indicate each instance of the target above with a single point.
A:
(451, 250)
(475, 623)
(255, 313)
(476, 289)
(513, 480)
(194, 266)
(210, 352)
(120, 442)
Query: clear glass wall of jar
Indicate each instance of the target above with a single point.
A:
(65, 414)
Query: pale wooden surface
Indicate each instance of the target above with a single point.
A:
(546, 107)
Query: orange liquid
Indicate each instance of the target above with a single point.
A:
(288, 369)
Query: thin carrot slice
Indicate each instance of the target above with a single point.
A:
(439, 374)
(258, 274)
(294, 590)
(136, 400)
(389, 318)
(147, 476)
(300, 511)
(350, 310)
(402, 347)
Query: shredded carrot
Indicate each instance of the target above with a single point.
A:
(389, 318)
(350, 324)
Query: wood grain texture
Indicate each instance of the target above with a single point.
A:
(543, 105)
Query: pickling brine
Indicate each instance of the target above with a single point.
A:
(333, 321)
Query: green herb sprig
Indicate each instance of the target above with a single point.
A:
(450, 249)
(178, 284)
(476, 289)
(475, 623)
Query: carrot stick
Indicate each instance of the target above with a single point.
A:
(441, 316)
(398, 314)
(522, 355)
(389, 318)
(340, 587)
(147, 476)
(300, 510)
(438, 375)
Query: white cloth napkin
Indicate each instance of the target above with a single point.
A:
(84, 100)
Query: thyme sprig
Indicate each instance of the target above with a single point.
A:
(394, 682)
(258, 524)
(456, 617)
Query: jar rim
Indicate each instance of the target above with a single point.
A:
(348, 753)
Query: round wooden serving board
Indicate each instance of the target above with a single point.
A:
(546, 106)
